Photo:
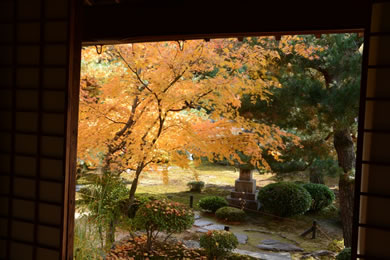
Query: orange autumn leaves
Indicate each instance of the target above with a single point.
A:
(168, 208)
(147, 104)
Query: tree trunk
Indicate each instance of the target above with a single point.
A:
(346, 158)
(134, 185)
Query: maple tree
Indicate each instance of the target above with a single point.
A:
(147, 105)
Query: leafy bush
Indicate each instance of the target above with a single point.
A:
(321, 195)
(212, 203)
(142, 199)
(163, 215)
(196, 186)
(345, 254)
(230, 214)
(218, 243)
(284, 199)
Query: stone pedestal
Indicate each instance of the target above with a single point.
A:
(244, 193)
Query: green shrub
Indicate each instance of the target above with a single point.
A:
(230, 214)
(345, 254)
(321, 196)
(163, 215)
(284, 199)
(212, 203)
(196, 186)
(218, 243)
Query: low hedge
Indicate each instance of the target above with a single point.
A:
(212, 203)
(284, 199)
(230, 214)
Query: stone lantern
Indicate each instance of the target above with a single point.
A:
(244, 194)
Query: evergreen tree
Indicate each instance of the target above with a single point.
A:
(319, 102)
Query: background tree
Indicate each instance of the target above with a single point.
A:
(142, 105)
(319, 102)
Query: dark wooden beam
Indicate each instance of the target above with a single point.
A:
(172, 19)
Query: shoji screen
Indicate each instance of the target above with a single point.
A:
(374, 226)
(34, 75)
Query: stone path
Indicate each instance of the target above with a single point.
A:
(203, 225)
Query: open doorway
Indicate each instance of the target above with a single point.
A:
(155, 117)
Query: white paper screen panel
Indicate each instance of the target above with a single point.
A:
(34, 65)
(374, 217)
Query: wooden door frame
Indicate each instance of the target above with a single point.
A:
(77, 40)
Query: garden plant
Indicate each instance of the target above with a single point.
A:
(284, 199)
(212, 203)
(165, 216)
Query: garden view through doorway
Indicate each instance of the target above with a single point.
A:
(259, 132)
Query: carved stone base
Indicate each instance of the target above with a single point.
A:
(246, 204)
(245, 186)
(243, 195)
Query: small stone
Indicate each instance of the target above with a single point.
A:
(202, 223)
(274, 245)
(196, 215)
(214, 227)
(242, 239)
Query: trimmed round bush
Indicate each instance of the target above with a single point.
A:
(284, 199)
(218, 243)
(196, 186)
(212, 203)
(321, 195)
(345, 254)
(230, 214)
